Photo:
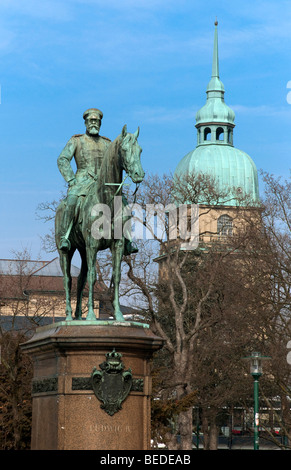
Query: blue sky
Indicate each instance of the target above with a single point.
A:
(143, 63)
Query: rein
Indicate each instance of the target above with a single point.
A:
(116, 184)
(120, 186)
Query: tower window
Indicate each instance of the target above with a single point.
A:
(224, 225)
(220, 134)
(207, 133)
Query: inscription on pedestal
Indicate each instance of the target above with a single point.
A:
(110, 428)
(45, 385)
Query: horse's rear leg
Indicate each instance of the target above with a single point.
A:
(65, 262)
(91, 278)
(117, 253)
(80, 286)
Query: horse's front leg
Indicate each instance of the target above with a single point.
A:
(117, 253)
(65, 262)
(91, 279)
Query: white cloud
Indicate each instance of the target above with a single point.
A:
(46, 9)
(282, 112)
(262, 26)
(131, 5)
(163, 114)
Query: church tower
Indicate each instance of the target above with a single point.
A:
(215, 155)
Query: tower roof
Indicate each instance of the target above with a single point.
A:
(233, 170)
(215, 109)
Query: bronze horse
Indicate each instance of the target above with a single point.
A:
(122, 154)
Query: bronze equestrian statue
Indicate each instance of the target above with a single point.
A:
(98, 179)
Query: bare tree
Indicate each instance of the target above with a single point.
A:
(15, 392)
(277, 232)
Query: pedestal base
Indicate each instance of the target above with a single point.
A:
(66, 413)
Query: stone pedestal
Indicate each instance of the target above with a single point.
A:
(66, 413)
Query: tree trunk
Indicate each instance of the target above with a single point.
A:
(205, 432)
(286, 422)
(16, 424)
(185, 429)
(171, 441)
(213, 436)
(210, 430)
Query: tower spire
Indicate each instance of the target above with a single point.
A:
(215, 63)
(215, 85)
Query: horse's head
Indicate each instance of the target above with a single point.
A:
(130, 151)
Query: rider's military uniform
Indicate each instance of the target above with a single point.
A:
(88, 152)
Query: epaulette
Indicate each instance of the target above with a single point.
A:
(106, 138)
(77, 135)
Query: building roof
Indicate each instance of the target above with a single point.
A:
(15, 267)
(234, 171)
(20, 278)
(53, 268)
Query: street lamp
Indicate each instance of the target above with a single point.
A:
(256, 371)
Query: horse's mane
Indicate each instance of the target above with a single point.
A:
(109, 153)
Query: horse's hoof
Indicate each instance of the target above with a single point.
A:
(91, 316)
(119, 317)
(65, 245)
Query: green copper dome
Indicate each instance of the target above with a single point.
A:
(234, 171)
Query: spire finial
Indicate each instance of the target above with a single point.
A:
(216, 22)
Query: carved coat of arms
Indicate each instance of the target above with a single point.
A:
(111, 384)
